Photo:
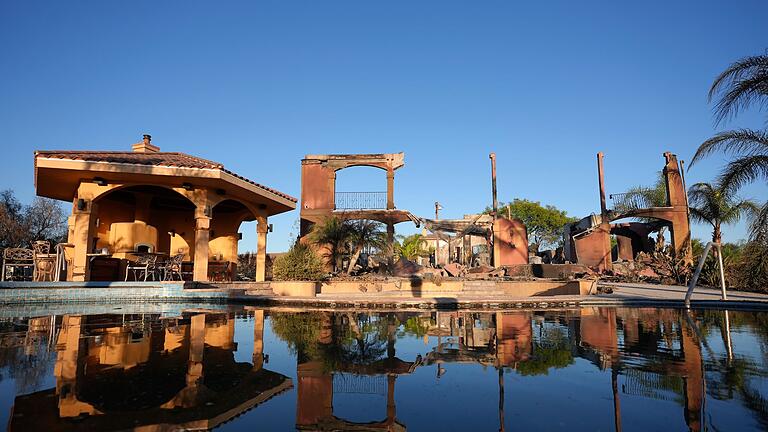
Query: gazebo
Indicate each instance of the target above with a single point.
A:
(145, 201)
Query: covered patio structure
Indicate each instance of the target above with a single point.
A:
(145, 201)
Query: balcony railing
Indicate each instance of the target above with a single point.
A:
(361, 200)
(623, 202)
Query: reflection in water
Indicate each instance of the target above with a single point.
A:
(147, 372)
(127, 372)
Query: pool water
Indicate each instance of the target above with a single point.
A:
(591, 369)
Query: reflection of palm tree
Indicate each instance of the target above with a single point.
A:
(735, 375)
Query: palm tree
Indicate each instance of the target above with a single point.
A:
(742, 84)
(641, 197)
(334, 234)
(717, 205)
(365, 233)
(412, 247)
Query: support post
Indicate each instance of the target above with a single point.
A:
(493, 184)
(83, 231)
(258, 339)
(196, 349)
(261, 248)
(202, 227)
(390, 245)
(390, 188)
(601, 183)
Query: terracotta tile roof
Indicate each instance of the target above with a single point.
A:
(173, 159)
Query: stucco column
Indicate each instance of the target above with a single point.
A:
(261, 248)
(196, 348)
(391, 409)
(202, 226)
(390, 245)
(83, 229)
(258, 339)
(390, 188)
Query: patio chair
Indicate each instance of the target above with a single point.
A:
(17, 263)
(173, 267)
(145, 263)
(44, 260)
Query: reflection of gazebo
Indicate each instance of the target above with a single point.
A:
(183, 377)
(151, 201)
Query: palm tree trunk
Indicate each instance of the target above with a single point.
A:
(353, 260)
(716, 234)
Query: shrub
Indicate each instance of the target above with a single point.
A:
(752, 268)
(300, 263)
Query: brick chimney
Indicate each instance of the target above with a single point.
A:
(145, 146)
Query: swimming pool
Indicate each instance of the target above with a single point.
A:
(244, 368)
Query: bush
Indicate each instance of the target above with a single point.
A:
(752, 268)
(300, 263)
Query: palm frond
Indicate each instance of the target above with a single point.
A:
(702, 217)
(742, 84)
(744, 170)
(759, 226)
(742, 142)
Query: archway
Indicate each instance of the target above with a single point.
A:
(153, 218)
(360, 187)
(227, 217)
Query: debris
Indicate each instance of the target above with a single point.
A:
(455, 269)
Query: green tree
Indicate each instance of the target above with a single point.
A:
(717, 205)
(543, 222)
(300, 263)
(411, 247)
(333, 233)
(364, 233)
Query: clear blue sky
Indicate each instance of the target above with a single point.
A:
(256, 85)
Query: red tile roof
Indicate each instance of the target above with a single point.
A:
(173, 159)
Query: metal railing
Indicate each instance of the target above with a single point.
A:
(697, 272)
(361, 200)
(626, 201)
(359, 384)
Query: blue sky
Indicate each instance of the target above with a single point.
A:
(256, 85)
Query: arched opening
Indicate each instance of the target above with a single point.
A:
(637, 235)
(224, 237)
(144, 219)
(361, 188)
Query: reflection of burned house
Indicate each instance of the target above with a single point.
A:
(462, 337)
(147, 376)
(588, 241)
(318, 382)
(500, 340)
(674, 372)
